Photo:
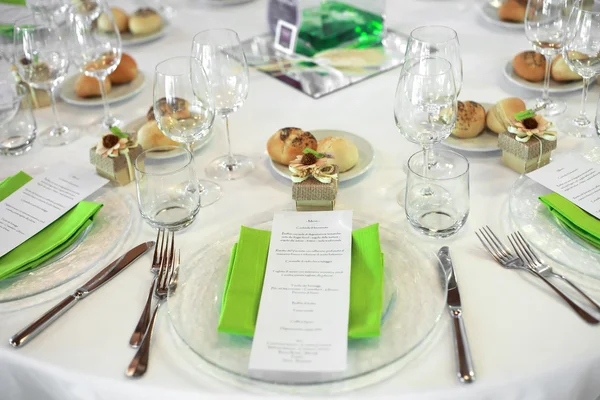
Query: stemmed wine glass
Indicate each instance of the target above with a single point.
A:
(582, 54)
(52, 10)
(184, 108)
(438, 41)
(224, 61)
(545, 22)
(95, 52)
(42, 61)
(425, 107)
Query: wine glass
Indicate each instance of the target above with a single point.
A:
(95, 52)
(425, 106)
(438, 41)
(224, 61)
(184, 108)
(42, 61)
(51, 10)
(545, 22)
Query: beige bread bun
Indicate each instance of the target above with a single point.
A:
(144, 21)
(343, 151)
(561, 72)
(86, 86)
(530, 66)
(179, 107)
(120, 17)
(288, 143)
(126, 71)
(512, 11)
(470, 120)
(502, 114)
(150, 136)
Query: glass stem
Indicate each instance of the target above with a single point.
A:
(546, 92)
(57, 123)
(230, 159)
(582, 118)
(107, 114)
(426, 153)
(190, 147)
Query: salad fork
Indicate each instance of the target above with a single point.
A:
(537, 264)
(505, 258)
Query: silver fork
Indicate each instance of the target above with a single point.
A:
(166, 283)
(142, 325)
(543, 269)
(505, 258)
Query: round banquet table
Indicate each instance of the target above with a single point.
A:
(525, 342)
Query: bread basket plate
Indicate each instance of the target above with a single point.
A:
(366, 155)
(129, 39)
(117, 93)
(489, 12)
(485, 142)
(136, 124)
(555, 87)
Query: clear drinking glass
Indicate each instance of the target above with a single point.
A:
(184, 108)
(51, 10)
(95, 52)
(425, 104)
(437, 204)
(582, 53)
(224, 61)
(545, 23)
(438, 41)
(42, 61)
(167, 188)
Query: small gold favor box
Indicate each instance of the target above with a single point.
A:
(525, 157)
(115, 168)
(312, 195)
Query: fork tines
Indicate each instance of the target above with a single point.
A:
(167, 261)
(492, 244)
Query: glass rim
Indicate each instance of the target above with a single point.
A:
(419, 59)
(202, 32)
(171, 59)
(420, 174)
(454, 34)
(190, 160)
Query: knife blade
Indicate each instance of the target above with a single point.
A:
(105, 275)
(466, 372)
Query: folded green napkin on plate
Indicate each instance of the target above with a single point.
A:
(243, 285)
(581, 223)
(50, 241)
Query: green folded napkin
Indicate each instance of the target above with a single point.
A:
(243, 285)
(15, 2)
(50, 241)
(581, 223)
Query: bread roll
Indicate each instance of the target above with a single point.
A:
(470, 121)
(126, 70)
(561, 72)
(502, 114)
(178, 106)
(150, 135)
(530, 66)
(343, 151)
(144, 21)
(287, 143)
(86, 86)
(120, 17)
(512, 11)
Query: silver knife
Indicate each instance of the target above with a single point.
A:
(466, 373)
(89, 287)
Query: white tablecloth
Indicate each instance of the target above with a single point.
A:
(525, 342)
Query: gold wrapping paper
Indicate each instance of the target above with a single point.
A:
(115, 168)
(527, 150)
(312, 195)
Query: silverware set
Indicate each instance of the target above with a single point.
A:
(524, 258)
(165, 267)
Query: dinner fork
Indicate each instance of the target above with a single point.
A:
(142, 325)
(536, 263)
(505, 258)
(165, 284)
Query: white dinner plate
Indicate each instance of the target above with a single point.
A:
(137, 123)
(485, 142)
(489, 12)
(555, 87)
(117, 93)
(129, 39)
(366, 155)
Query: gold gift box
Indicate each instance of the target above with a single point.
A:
(312, 195)
(525, 157)
(116, 168)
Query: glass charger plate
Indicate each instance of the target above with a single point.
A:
(547, 233)
(414, 299)
(102, 240)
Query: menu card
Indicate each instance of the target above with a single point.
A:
(574, 178)
(42, 201)
(302, 324)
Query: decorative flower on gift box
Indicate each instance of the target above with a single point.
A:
(112, 143)
(527, 124)
(314, 164)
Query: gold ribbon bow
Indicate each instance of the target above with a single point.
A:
(323, 173)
